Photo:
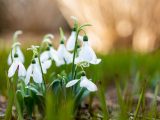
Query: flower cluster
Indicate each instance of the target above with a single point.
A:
(75, 51)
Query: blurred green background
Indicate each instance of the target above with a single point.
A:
(125, 33)
(122, 66)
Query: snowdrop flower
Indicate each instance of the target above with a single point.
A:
(72, 39)
(84, 82)
(16, 49)
(16, 65)
(64, 55)
(50, 53)
(45, 64)
(87, 54)
(33, 71)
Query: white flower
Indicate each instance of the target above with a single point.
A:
(34, 72)
(16, 50)
(86, 54)
(16, 65)
(45, 64)
(84, 82)
(71, 41)
(64, 55)
(51, 53)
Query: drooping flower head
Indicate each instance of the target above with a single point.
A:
(84, 82)
(86, 54)
(65, 57)
(50, 53)
(34, 70)
(16, 66)
(70, 45)
(16, 49)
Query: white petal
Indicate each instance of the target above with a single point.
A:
(80, 38)
(77, 60)
(28, 74)
(87, 54)
(71, 41)
(12, 69)
(44, 56)
(64, 55)
(60, 62)
(68, 57)
(46, 65)
(71, 83)
(20, 54)
(37, 74)
(37, 63)
(95, 61)
(88, 84)
(83, 82)
(9, 59)
(60, 51)
(91, 86)
(21, 70)
(53, 54)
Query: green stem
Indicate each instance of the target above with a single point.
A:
(74, 53)
(44, 85)
(75, 72)
(64, 88)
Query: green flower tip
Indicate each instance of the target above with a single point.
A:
(48, 48)
(36, 56)
(74, 29)
(15, 55)
(33, 61)
(78, 46)
(85, 38)
(50, 45)
(83, 73)
(62, 42)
